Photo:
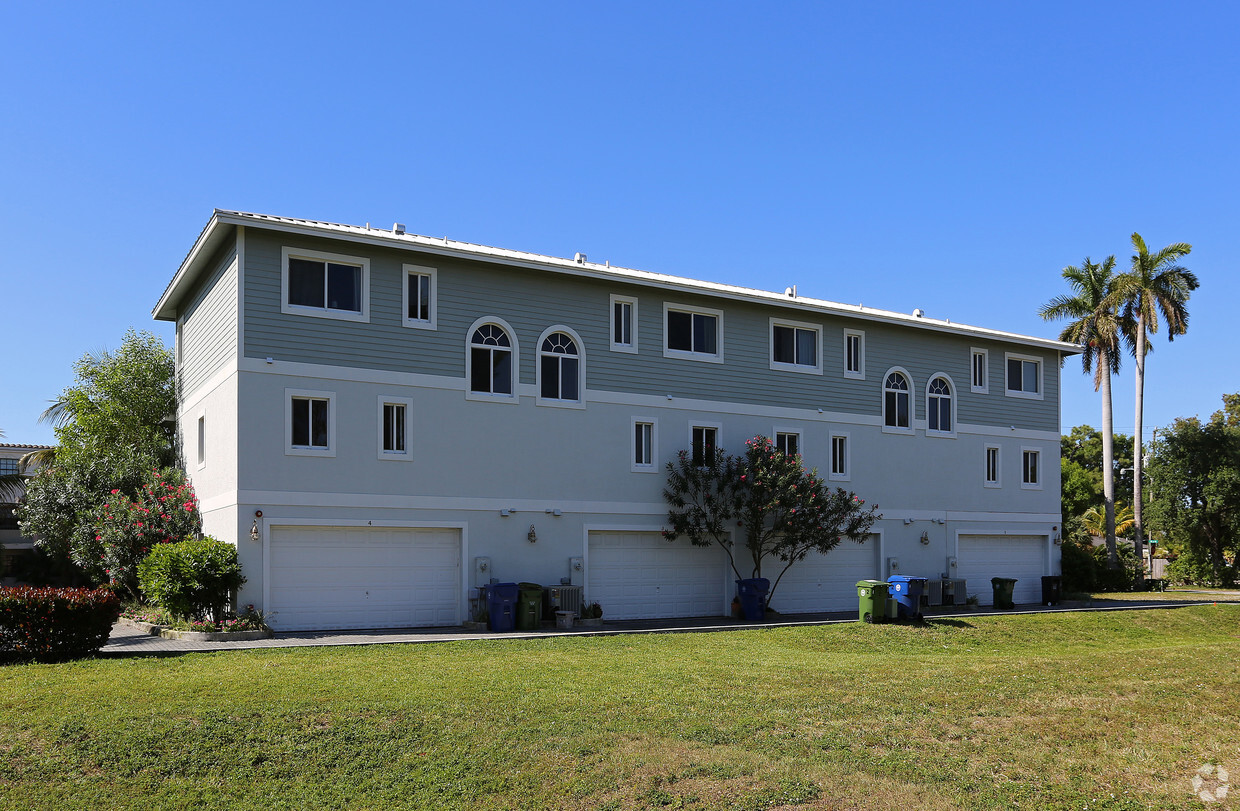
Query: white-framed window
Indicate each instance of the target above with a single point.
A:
(841, 463)
(395, 428)
(979, 371)
(1024, 376)
(324, 285)
(561, 370)
(940, 407)
(1030, 469)
(788, 441)
(309, 422)
(993, 475)
(645, 435)
(623, 324)
(202, 440)
(692, 333)
(854, 354)
(418, 301)
(795, 346)
(704, 443)
(897, 404)
(491, 361)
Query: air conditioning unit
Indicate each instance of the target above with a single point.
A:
(934, 592)
(957, 588)
(562, 598)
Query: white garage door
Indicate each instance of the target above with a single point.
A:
(325, 578)
(824, 582)
(981, 557)
(637, 575)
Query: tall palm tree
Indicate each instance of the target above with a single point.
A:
(1157, 283)
(1094, 521)
(1097, 328)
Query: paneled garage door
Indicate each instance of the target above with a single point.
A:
(324, 578)
(824, 582)
(636, 575)
(981, 557)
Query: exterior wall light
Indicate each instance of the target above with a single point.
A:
(531, 536)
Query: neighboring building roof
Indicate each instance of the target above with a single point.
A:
(8, 445)
(219, 227)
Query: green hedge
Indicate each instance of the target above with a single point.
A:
(53, 625)
(191, 579)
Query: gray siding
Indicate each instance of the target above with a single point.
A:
(531, 301)
(208, 331)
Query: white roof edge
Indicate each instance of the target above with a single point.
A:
(446, 247)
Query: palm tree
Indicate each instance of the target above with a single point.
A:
(1097, 328)
(1094, 520)
(1156, 283)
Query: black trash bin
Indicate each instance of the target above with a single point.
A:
(1003, 592)
(753, 597)
(1051, 584)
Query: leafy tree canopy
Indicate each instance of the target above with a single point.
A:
(1081, 470)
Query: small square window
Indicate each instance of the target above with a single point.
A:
(623, 324)
(795, 347)
(854, 354)
(644, 436)
(839, 457)
(789, 442)
(693, 334)
(419, 297)
(310, 421)
(394, 427)
(325, 285)
(1024, 376)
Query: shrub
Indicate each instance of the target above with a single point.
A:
(191, 579)
(53, 625)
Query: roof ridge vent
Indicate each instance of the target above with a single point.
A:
(398, 228)
(791, 292)
(918, 313)
(579, 258)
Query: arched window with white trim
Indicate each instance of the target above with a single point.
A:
(491, 360)
(896, 404)
(559, 368)
(939, 412)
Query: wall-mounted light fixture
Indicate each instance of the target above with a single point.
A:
(925, 539)
(531, 536)
(908, 521)
(255, 533)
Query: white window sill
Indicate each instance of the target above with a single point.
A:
(482, 397)
(799, 368)
(1024, 395)
(626, 348)
(299, 451)
(323, 312)
(701, 357)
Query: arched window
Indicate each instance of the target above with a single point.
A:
(559, 367)
(939, 406)
(895, 401)
(490, 357)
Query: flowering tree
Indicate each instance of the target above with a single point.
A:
(781, 508)
(126, 529)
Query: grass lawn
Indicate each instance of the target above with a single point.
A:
(1083, 710)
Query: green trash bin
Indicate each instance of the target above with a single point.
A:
(529, 606)
(1003, 592)
(871, 601)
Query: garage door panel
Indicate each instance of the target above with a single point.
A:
(338, 578)
(981, 557)
(825, 582)
(636, 575)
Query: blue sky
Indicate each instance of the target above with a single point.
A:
(953, 157)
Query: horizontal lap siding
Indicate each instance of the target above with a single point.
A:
(209, 323)
(531, 301)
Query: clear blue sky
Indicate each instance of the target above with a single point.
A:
(953, 157)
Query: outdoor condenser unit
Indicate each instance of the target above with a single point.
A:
(563, 598)
(934, 592)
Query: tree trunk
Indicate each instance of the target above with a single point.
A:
(1138, 537)
(1108, 460)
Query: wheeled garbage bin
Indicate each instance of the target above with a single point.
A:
(753, 597)
(907, 593)
(529, 607)
(501, 606)
(871, 601)
(1003, 592)
(1051, 584)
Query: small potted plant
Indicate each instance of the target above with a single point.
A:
(592, 615)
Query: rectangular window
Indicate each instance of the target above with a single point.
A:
(854, 354)
(694, 334)
(795, 347)
(992, 466)
(325, 285)
(1031, 469)
(623, 324)
(789, 442)
(309, 423)
(419, 297)
(394, 427)
(1024, 376)
(8, 517)
(839, 457)
(979, 382)
(202, 440)
(705, 440)
(643, 446)
(8, 467)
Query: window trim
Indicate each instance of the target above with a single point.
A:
(984, 388)
(307, 394)
(847, 474)
(951, 394)
(615, 299)
(634, 466)
(668, 352)
(718, 426)
(580, 402)
(800, 368)
(289, 252)
(395, 456)
(1024, 485)
(797, 432)
(515, 373)
(1011, 356)
(860, 373)
(998, 480)
(201, 425)
(912, 403)
(432, 292)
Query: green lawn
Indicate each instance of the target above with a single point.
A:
(1112, 710)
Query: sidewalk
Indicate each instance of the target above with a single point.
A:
(129, 641)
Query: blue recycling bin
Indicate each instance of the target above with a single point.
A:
(753, 597)
(502, 606)
(907, 591)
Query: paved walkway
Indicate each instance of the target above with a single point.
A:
(129, 641)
